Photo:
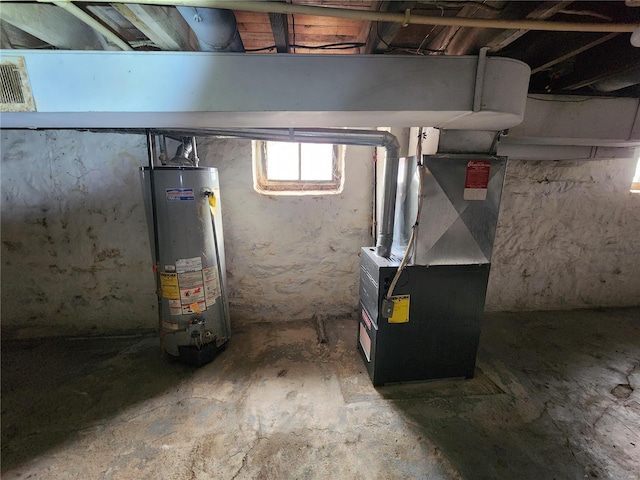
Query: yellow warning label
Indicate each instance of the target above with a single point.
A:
(169, 285)
(400, 309)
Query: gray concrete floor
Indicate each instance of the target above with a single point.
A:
(556, 396)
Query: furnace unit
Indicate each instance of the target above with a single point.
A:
(429, 327)
(184, 217)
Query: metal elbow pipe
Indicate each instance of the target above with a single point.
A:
(215, 28)
(370, 138)
(390, 179)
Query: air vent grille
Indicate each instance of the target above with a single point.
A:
(15, 94)
(11, 84)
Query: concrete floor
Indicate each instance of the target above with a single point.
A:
(556, 396)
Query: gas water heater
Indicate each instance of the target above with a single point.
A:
(185, 227)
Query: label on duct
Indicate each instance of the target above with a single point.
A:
(477, 180)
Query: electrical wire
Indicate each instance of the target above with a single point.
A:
(328, 46)
(412, 51)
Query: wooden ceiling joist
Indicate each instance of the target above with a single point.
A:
(541, 12)
(570, 48)
(53, 25)
(164, 26)
(381, 34)
(280, 28)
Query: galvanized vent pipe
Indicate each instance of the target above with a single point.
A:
(371, 138)
(215, 28)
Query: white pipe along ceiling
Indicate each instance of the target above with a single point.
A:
(406, 18)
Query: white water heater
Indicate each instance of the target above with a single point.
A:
(185, 227)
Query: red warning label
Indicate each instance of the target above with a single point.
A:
(191, 295)
(477, 174)
(477, 180)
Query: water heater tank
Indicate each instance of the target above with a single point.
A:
(186, 230)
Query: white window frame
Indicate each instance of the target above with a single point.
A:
(262, 184)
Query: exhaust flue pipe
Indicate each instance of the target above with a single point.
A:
(215, 28)
(370, 138)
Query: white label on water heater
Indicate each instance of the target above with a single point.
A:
(175, 307)
(188, 264)
(211, 285)
(180, 194)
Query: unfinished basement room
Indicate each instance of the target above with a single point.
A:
(320, 239)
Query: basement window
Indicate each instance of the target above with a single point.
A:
(288, 168)
(635, 184)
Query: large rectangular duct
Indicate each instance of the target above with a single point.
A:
(457, 224)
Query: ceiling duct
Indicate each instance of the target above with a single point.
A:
(215, 28)
(618, 81)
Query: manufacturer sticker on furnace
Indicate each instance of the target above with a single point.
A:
(476, 181)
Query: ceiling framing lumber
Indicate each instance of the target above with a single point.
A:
(570, 50)
(381, 34)
(541, 12)
(53, 25)
(280, 28)
(164, 26)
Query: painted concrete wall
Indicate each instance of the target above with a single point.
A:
(75, 249)
(291, 257)
(75, 253)
(567, 236)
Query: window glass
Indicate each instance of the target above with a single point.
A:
(316, 162)
(287, 168)
(635, 184)
(284, 164)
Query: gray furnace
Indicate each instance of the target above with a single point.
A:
(428, 326)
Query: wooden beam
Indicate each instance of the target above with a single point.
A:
(457, 40)
(541, 12)
(568, 49)
(381, 34)
(13, 37)
(53, 25)
(280, 29)
(164, 26)
(611, 59)
(116, 22)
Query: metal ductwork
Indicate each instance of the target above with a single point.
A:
(370, 138)
(186, 153)
(618, 82)
(215, 28)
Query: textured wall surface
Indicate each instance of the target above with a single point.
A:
(291, 257)
(75, 248)
(567, 237)
(75, 251)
